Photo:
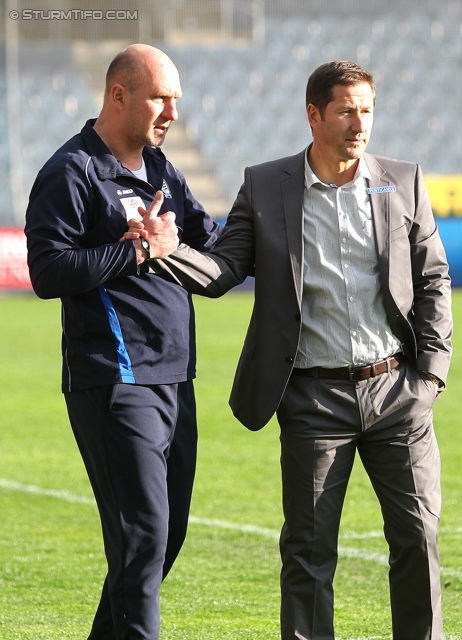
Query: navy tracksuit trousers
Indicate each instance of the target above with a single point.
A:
(139, 446)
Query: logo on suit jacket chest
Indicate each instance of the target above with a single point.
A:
(388, 189)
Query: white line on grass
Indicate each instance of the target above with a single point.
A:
(348, 552)
(52, 493)
(245, 528)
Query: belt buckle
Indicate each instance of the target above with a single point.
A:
(350, 373)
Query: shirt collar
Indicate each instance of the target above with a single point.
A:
(311, 178)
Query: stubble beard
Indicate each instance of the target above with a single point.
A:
(152, 140)
(159, 139)
(354, 153)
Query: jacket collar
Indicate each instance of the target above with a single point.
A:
(375, 167)
(292, 186)
(107, 167)
(296, 163)
(381, 216)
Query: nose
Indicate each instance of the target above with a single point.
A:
(170, 111)
(360, 123)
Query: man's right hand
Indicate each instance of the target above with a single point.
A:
(160, 231)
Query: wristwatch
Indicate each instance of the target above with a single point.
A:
(146, 246)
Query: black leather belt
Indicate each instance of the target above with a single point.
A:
(353, 373)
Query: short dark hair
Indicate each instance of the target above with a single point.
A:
(321, 83)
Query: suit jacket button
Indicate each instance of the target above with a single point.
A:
(289, 360)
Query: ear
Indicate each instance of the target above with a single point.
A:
(313, 115)
(118, 95)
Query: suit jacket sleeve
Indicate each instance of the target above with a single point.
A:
(231, 260)
(431, 311)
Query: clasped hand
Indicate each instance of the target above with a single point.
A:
(160, 230)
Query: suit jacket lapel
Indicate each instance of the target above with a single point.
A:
(292, 186)
(380, 206)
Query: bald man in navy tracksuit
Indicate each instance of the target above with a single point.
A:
(128, 335)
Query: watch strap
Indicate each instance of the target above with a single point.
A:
(146, 246)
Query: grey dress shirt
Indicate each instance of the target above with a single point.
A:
(343, 316)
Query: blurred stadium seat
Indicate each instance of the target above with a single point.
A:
(54, 102)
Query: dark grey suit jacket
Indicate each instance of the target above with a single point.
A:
(264, 232)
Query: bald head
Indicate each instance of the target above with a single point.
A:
(138, 64)
(142, 90)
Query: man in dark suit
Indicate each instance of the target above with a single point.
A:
(349, 342)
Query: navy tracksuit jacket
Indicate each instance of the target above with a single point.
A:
(120, 323)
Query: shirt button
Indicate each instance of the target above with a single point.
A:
(343, 239)
(289, 360)
(353, 333)
(346, 266)
(351, 298)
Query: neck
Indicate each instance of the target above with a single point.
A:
(131, 158)
(330, 171)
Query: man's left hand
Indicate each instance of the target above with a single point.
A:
(160, 230)
(438, 385)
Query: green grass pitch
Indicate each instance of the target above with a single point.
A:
(225, 582)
